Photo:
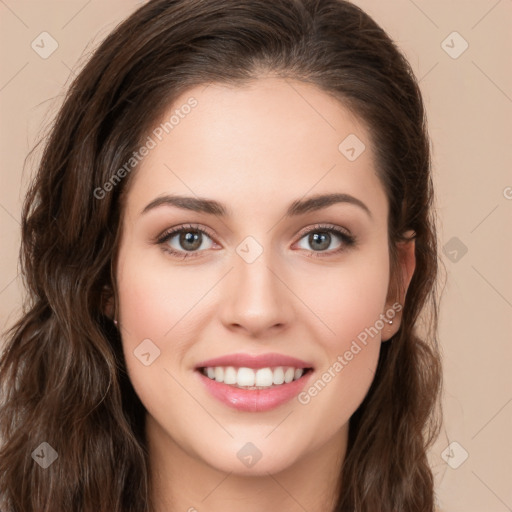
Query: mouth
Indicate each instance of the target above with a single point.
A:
(254, 383)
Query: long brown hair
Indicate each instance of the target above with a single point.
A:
(62, 374)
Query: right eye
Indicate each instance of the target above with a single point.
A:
(184, 241)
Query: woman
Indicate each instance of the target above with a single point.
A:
(227, 248)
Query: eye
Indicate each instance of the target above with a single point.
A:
(321, 238)
(190, 240)
(185, 241)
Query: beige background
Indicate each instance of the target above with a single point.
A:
(469, 101)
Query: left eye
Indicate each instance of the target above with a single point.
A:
(321, 240)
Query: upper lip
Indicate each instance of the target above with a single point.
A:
(254, 361)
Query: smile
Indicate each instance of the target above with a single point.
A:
(254, 383)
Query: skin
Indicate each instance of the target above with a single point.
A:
(256, 149)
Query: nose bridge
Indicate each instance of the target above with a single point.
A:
(256, 298)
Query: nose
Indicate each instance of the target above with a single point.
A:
(257, 300)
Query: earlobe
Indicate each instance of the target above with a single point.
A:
(406, 253)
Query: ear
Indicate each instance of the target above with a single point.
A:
(399, 284)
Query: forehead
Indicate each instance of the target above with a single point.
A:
(272, 140)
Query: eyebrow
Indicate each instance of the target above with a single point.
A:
(212, 207)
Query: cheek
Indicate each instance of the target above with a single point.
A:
(155, 299)
(151, 304)
(351, 348)
(154, 312)
(338, 389)
(349, 301)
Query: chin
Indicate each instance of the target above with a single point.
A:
(273, 464)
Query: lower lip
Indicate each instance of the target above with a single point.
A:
(254, 400)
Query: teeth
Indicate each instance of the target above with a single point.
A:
(250, 378)
(229, 375)
(288, 375)
(278, 376)
(264, 377)
(219, 374)
(245, 377)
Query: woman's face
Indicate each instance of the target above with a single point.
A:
(267, 281)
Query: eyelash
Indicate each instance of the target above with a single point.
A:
(346, 239)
